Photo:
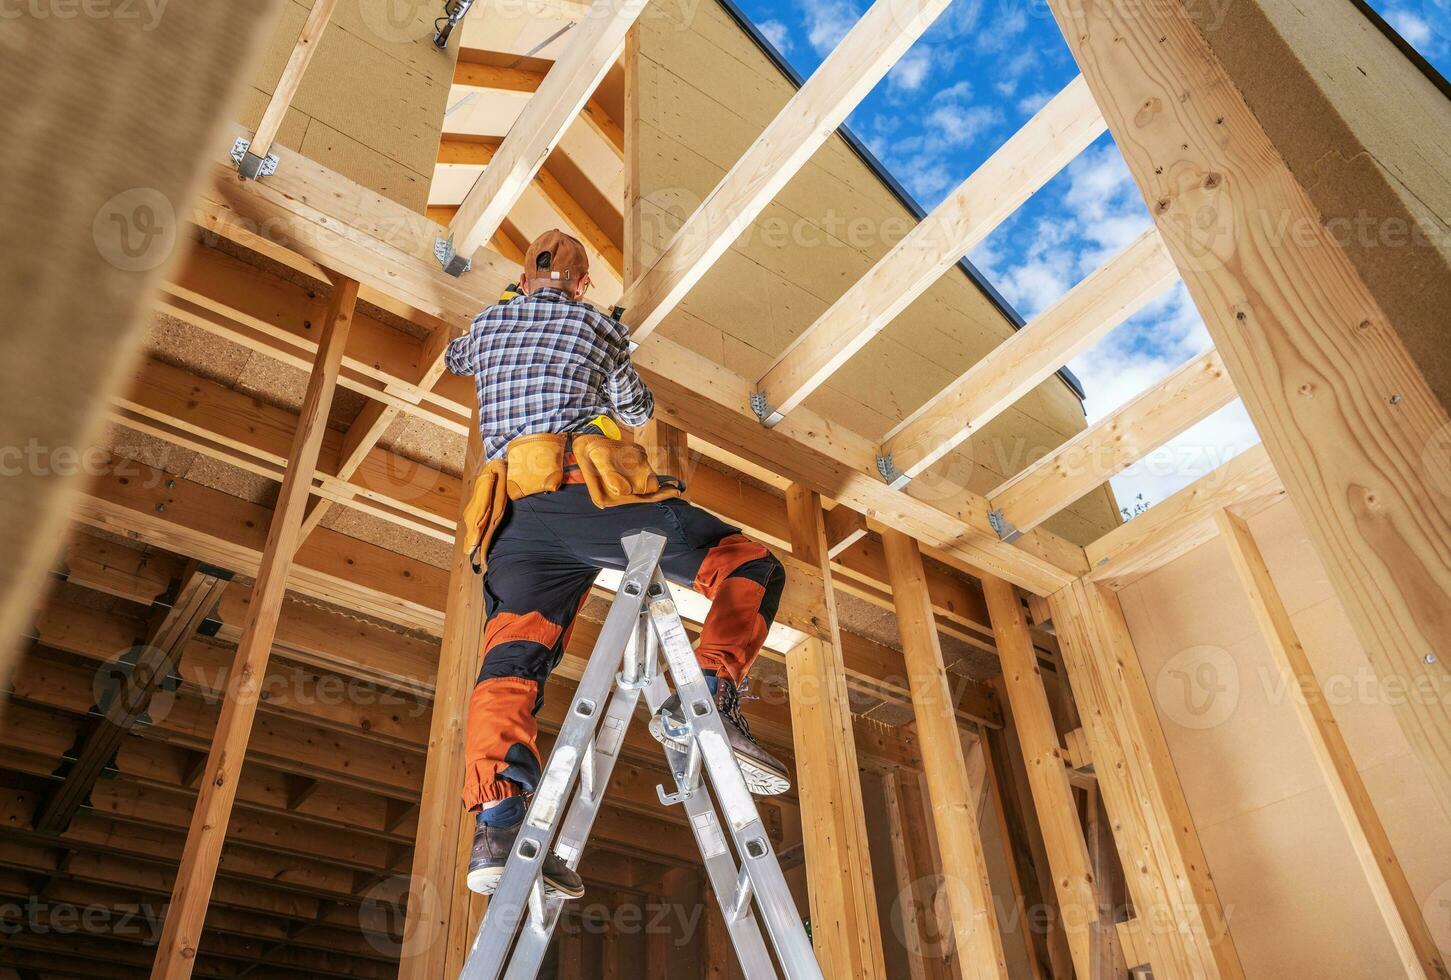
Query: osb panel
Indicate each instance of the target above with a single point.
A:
(1280, 857)
(384, 534)
(371, 104)
(706, 93)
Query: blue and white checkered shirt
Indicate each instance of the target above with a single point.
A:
(547, 363)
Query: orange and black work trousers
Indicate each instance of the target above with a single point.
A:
(541, 564)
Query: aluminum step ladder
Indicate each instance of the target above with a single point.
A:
(744, 874)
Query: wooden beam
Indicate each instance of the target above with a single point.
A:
(195, 601)
(178, 947)
(1345, 414)
(845, 927)
(1188, 932)
(434, 888)
(80, 266)
(1108, 297)
(1055, 806)
(1176, 526)
(591, 48)
(291, 80)
(1045, 145)
(669, 449)
(333, 219)
(470, 153)
(1190, 394)
(853, 69)
(964, 863)
(1398, 905)
(501, 78)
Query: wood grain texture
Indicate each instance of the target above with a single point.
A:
(1029, 159)
(1361, 442)
(1056, 809)
(1189, 395)
(1183, 923)
(291, 80)
(181, 936)
(1108, 297)
(954, 813)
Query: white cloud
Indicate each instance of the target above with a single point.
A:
(1030, 104)
(908, 74)
(778, 34)
(827, 22)
(959, 125)
(1412, 27)
(1191, 455)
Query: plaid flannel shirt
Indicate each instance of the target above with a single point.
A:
(547, 363)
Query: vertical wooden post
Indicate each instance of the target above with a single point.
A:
(1177, 907)
(181, 936)
(1047, 775)
(845, 927)
(437, 900)
(669, 449)
(902, 865)
(1346, 415)
(1387, 879)
(970, 898)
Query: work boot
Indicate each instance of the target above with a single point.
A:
(765, 775)
(492, 847)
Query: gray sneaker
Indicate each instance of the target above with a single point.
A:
(765, 775)
(492, 847)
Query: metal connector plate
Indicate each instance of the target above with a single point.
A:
(249, 164)
(1005, 528)
(453, 263)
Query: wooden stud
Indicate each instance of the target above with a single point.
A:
(291, 80)
(669, 449)
(1398, 905)
(176, 952)
(1045, 145)
(853, 69)
(1346, 416)
(1108, 297)
(1047, 777)
(844, 528)
(969, 893)
(591, 49)
(845, 927)
(1187, 396)
(1183, 922)
(438, 865)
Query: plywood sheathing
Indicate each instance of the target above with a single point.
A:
(1364, 131)
(1275, 846)
(371, 103)
(706, 92)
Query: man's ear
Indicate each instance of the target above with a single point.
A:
(524, 283)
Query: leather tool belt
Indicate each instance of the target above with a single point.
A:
(615, 472)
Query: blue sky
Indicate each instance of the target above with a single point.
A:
(974, 78)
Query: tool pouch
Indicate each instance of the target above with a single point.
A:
(536, 464)
(485, 511)
(619, 473)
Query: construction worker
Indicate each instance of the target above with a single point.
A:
(558, 493)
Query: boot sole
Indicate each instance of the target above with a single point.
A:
(759, 780)
(485, 881)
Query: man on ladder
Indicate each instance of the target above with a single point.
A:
(558, 492)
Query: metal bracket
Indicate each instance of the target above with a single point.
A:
(453, 263)
(1005, 528)
(769, 416)
(895, 478)
(249, 164)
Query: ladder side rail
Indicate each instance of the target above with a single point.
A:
(773, 896)
(511, 901)
(533, 943)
